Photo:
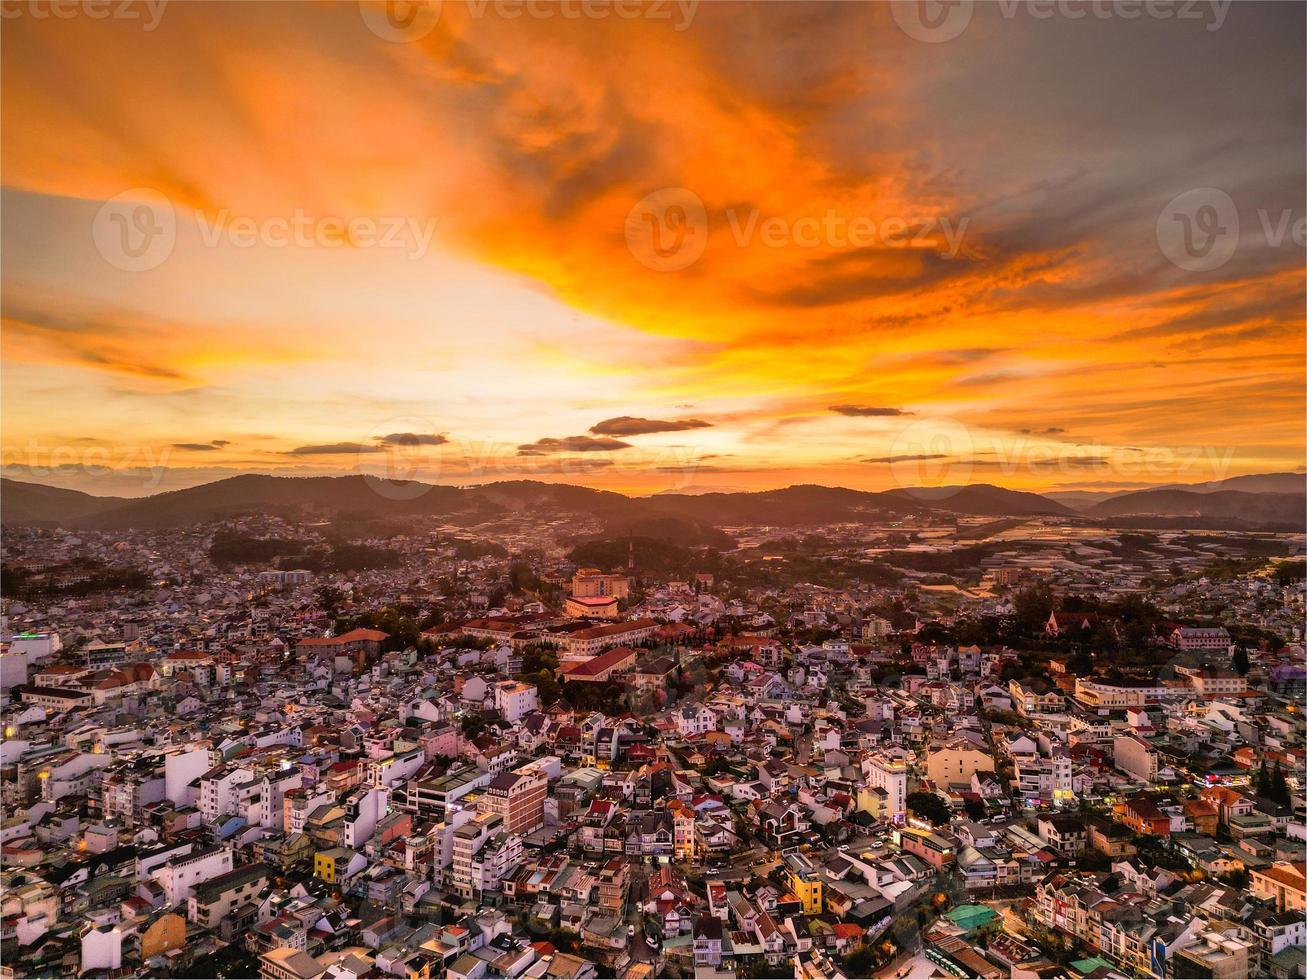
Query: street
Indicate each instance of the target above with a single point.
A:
(636, 947)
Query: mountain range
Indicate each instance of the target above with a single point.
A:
(686, 516)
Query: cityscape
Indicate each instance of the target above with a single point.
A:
(549, 489)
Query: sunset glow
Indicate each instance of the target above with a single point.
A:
(915, 262)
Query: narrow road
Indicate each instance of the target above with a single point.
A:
(636, 947)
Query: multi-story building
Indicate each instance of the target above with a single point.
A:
(1213, 683)
(614, 879)
(1284, 883)
(935, 849)
(514, 699)
(590, 582)
(587, 642)
(179, 876)
(484, 853)
(1189, 638)
(1131, 754)
(100, 655)
(1100, 694)
(1275, 932)
(1067, 834)
(223, 790)
(214, 903)
(888, 771)
(1044, 778)
(953, 763)
(518, 797)
(683, 836)
(1036, 697)
(1215, 955)
(805, 881)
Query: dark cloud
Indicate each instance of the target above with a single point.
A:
(106, 340)
(220, 443)
(200, 447)
(333, 449)
(627, 425)
(413, 439)
(1275, 306)
(571, 444)
(906, 458)
(1070, 463)
(967, 355)
(863, 274)
(867, 411)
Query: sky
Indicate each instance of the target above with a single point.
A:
(653, 247)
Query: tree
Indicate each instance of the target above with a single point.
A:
(1240, 661)
(1279, 789)
(930, 807)
(547, 687)
(1263, 782)
(1080, 665)
(1032, 606)
(522, 578)
(860, 962)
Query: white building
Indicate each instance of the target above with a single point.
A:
(485, 852)
(179, 876)
(514, 699)
(888, 771)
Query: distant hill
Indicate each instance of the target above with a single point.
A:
(687, 519)
(790, 507)
(1233, 509)
(985, 500)
(35, 503)
(1294, 483)
(1255, 483)
(1082, 500)
(258, 494)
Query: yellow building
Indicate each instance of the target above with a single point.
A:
(324, 867)
(804, 882)
(166, 933)
(1285, 882)
(683, 830)
(953, 763)
(332, 865)
(872, 800)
